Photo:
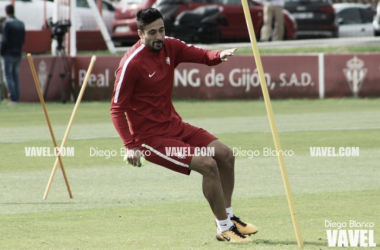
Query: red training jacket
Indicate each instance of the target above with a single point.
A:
(141, 104)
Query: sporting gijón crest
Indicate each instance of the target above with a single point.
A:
(355, 74)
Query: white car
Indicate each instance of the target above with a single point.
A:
(31, 12)
(376, 20)
(87, 18)
(376, 24)
(355, 20)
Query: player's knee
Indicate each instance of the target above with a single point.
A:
(211, 168)
(230, 157)
(207, 166)
(227, 156)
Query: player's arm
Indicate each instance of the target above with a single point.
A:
(126, 78)
(190, 53)
(120, 122)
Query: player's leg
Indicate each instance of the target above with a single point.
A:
(211, 184)
(222, 155)
(212, 190)
(226, 165)
(161, 152)
(225, 161)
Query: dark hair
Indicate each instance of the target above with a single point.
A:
(10, 10)
(147, 16)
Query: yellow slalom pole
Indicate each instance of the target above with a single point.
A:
(70, 123)
(272, 123)
(37, 83)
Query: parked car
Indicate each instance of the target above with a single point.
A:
(201, 25)
(376, 21)
(125, 27)
(376, 24)
(87, 18)
(31, 12)
(124, 24)
(355, 20)
(315, 18)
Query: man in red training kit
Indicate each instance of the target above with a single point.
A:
(145, 118)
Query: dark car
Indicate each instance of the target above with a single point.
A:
(315, 18)
(235, 28)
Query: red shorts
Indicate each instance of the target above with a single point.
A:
(159, 150)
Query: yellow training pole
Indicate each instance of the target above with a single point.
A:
(268, 106)
(70, 123)
(36, 81)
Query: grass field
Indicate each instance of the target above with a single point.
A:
(116, 206)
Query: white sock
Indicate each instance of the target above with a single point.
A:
(224, 225)
(230, 213)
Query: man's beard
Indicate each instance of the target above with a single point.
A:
(154, 48)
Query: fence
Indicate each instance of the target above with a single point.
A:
(287, 76)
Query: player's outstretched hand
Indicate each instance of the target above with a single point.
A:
(226, 53)
(133, 157)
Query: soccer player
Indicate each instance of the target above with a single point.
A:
(145, 118)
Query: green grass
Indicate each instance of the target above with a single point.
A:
(116, 206)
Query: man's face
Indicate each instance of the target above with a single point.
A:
(153, 35)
